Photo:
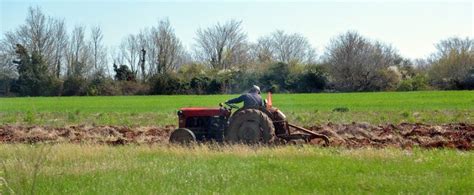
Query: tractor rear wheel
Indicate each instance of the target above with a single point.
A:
(250, 126)
(182, 136)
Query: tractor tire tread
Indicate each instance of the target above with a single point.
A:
(239, 118)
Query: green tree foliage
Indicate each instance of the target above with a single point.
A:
(276, 78)
(34, 78)
(416, 83)
(74, 86)
(123, 73)
(102, 85)
(244, 79)
(167, 83)
(199, 84)
(280, 77)
(197, 79)
(313, 78)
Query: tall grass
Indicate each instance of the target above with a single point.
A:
(98, 169)
(22, 167)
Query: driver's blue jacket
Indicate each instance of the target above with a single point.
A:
(249, 99)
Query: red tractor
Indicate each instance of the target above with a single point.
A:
(246, 125)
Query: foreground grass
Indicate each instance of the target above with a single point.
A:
(100, 169)
(433, 107)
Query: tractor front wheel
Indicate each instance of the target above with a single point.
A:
(250, 126)
(182, 136)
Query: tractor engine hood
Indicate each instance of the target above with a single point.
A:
(196, 111)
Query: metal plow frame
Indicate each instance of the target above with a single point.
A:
(310, 134)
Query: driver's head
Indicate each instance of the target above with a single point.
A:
(255, 89)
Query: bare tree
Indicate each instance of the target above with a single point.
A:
(151, 57)
(78, 54)
(37, 32)
(59, 44)
(40, 34)
(454, 44)
(99, 53)
(453, 63)
(130, 50)
(262, 51)
(153, 51)
(357, 63)
(222, 45)
(7, 55)
(8, 70)
(168, 47)
(144, 53)
(117, 58)
(282, 47)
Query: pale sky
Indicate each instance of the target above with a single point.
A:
(413, 27)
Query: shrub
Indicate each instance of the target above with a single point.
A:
(405, 85)
(416, 83)
(133, 88)
(123, 73)
(243, 80)
(276, 77)
(199, 84)
(192, 70)
(313, 78)
(167, 83)
(74, 86)
(468, 82)
(385, 80)
(215, 86)
(102, 85)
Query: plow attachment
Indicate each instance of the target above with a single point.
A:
(312, 135)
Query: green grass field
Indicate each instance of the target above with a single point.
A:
(157, 169)
(433, 107)
(95, 169)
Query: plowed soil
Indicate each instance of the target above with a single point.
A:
(356, 135)
(404, 135)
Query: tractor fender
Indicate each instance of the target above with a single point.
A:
(262, 109)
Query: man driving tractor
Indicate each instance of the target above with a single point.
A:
(250, 99)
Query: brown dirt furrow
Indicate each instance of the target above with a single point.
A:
(355, 135)
(114, 135)
(405, 135)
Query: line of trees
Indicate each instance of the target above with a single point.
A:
(41, 58)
